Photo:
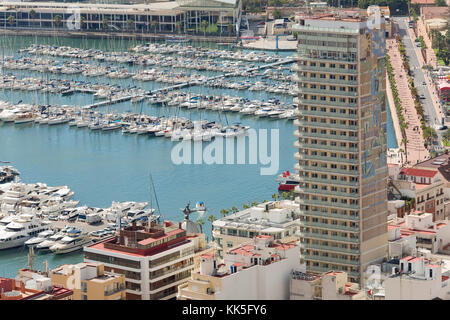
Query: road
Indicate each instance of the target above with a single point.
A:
(419, 78)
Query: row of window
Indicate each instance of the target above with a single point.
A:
(333, 177)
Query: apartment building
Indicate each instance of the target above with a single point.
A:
(32, 285)
(89, 281)
(341, 141)
(331, 285)
(279, 219)
(417, 278)
(431, 235)
(257, 270)
(154, 258)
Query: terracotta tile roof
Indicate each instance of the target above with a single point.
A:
(418, 172)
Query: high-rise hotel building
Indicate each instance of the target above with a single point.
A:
(341, 142)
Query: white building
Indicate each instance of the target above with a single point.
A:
(417, 278)
(259, 270)
(434, 236)
(277, 218)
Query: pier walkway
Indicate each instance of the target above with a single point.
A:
(182, 85)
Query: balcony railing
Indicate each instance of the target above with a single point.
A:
(324, 136)
(329, 259)
(301, 156)
(119, 288)
(328, 248)
(326, 192)
(309, 235)
(329, 226)
(319, 102)
(303, 79)
(326, 204)
(326, 92)
(318, 124)
(330, 215)
(302, 67)
(330, 170)
(326, 147)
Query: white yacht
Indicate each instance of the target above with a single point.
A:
(70, 244)
(21, 229)
(39, 238)
(45, 245)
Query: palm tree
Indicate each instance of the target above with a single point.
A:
(178, 26)
(275, 196)
(31, 15)
(224, 212)
(234, 209)
(129, 23)
(105, 23)
(204, 25)
(57, 19)
(200, 223)
(154, 24)
(82, 22)
(245, 206)
(11, 20)
(405, 141)
(254, 204)
(211, 218)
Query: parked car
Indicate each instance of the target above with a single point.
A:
(422, 96)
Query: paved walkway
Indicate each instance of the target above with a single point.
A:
(432, 60)
(395, 121)
(416, 152)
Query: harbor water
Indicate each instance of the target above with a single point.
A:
(101, 167)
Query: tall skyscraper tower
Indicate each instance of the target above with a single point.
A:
(342, 141)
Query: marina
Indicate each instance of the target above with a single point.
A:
(105, 166)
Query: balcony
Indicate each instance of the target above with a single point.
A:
(323, 81)
(326, 147)
(324, 136)
(328, 226)
(329, 248)
(330, 170)
(305, 57)
(328, 204)
(119, 288)
(319, 102)
(304, 190)
(318, 124)
(301, 67)
(329, 259)
(327, 114)
(301, 156)
(328, 215)
(326, 92)
(311, 235)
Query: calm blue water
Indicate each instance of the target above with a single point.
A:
(102, 167)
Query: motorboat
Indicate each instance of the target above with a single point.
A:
(71, 243)
(21, 229)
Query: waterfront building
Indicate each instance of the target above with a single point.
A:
(256, 270)
(425, 187)
(89, 281)
(279, 219)
(331, 285)
(431, 235)
(154, 258)
(182, 16)
(417, 278)
(32, 285)
(341, 141)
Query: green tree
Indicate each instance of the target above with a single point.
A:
(275, 196)
(446, 136)
(129, 23)
(154, 25)
(211, 218)
(245, 206)
(57, 19)
(234, 209)
(204, 25)
(224, 212)
(254, 204)
(276, 14)
(105, 23)
(11, 20)
(440, 3)
(32, 13)
(200, 223)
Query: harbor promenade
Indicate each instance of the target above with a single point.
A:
(270, 44)
(395, 121)
(416, 152)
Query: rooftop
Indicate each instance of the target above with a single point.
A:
(418, 172)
